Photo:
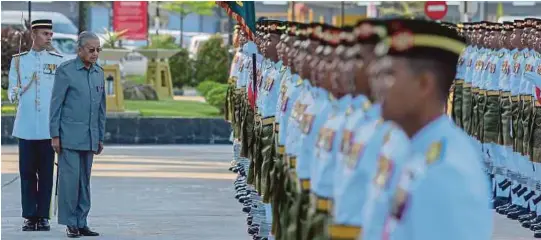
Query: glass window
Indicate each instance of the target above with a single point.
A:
(65, 45)
(66, 28)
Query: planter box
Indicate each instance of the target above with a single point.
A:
(152, 130)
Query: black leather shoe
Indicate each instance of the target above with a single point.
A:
(527, 217)
(72, 232)
(514, 215)
(43, 225)
(29, 225)
(87, 232)
(253, 230)
(537, 234)
(246, 209)
(535, 227)
(499, 201)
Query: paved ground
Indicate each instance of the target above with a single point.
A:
(157, 192)
(161, 192)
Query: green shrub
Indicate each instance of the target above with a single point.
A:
(216, 97)
(204, 87)
(181, 69)
(212, 61)
(162, 41)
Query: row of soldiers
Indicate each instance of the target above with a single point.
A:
(496, 100)
(340, 132)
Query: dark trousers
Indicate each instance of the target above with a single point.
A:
(36, 166)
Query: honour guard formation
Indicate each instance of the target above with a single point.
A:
(388, 129)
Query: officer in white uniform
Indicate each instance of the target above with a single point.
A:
(31, 78)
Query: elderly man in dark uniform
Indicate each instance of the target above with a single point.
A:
(77, 127)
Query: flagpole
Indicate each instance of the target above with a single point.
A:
(343, 13)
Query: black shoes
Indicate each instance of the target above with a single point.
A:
(87, 232)
(43, 225)
(29, 225)
(72, 232)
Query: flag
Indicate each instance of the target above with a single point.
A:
(243, 12)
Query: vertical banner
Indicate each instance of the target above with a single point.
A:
(132, 16)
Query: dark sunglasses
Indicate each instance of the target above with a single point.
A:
(92, 50)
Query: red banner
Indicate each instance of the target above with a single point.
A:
(132, 16)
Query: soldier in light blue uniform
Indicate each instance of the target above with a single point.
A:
(467, 92)
(450, 169)
(503, 183)
(293, 91)
(77, 127)
(535, 79)
(31, 78)
(513, 159)
(491, 132)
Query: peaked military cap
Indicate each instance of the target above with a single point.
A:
(421, 39)
(42, 24)
(370, 31)
(519, 24)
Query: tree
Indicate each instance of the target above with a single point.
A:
(403, 9)
(184, 8)
(212, 61)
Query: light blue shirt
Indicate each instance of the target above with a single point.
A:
(528, 75)
(461, 66)
(32, 119)
(471, 64)
(284, 84)
(518, 70)
(505, 71)
(294, 90)
(311, 122)
(266, 66)
(368, 161)
(327, 145)
(449, 182)
(296, 116)
(477, 75)
(495, 70)
(248, 49)
(535, 77)
(271, 90)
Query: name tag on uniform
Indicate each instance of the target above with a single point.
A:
(49, 69)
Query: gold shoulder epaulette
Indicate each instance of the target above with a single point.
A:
(55, 54)
(20, 54)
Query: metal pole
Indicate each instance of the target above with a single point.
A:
(293, 11)
(29, 11)
(343, 10)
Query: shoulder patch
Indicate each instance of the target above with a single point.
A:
(434, 152)
(55, 54)
(20, 54)
(515, 56)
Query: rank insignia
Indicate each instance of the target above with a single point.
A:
(469, 62)
(354, 155)
(385, 167)
(346, 142)
(399, 203)
(49, 69)
(269, 83)
(516, 68)
(528, 68)
(434, 152)
(307, 123)
(284, 104)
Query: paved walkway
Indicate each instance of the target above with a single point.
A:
(157, 192)
(161, 192)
